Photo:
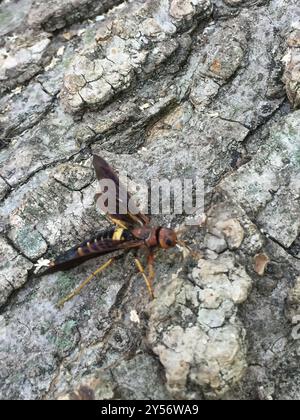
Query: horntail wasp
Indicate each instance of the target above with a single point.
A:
(131, 230)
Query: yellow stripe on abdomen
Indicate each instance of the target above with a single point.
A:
(118, 234)
(80, 252)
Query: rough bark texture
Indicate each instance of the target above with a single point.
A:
(164, 88)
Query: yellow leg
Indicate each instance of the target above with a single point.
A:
(151, 266)
(147, 281)
(83, 284)
(117, 222)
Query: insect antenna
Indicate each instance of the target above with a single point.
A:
(194, 254)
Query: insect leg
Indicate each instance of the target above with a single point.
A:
(151, 266)
(116, 222)
(85, 282)
(147, 281)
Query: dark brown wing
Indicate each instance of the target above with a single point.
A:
(104, 171)
(88, 250)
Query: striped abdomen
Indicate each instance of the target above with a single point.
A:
(101, 244)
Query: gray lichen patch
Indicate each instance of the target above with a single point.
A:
(194, 330)
(14, 270)
(232, 231)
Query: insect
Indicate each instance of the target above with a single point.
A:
(131, 230)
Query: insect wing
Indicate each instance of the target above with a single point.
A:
(120, 196)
